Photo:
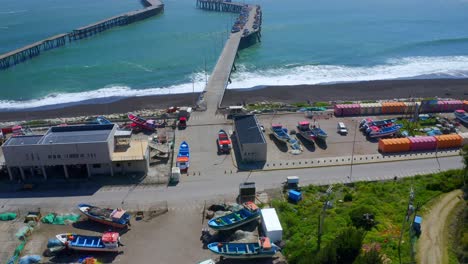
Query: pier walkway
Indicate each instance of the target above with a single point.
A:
(211, 98)
(9, 59)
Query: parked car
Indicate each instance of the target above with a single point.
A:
(342, 129)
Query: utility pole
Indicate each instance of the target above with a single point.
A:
(409, 211)
(352, 154)
(322, 215)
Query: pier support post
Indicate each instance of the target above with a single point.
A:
(111, 169)
(88, 169)
(23, 177)
(44, 173)
(65, 170)
(10, 174)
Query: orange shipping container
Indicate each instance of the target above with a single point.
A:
(394, 145)
(449, 141)
(393, 107)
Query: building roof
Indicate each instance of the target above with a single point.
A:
(135, 151)
(271, 220)
(23, 140)
(77, 134)
(248, 129)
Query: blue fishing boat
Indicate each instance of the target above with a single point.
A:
(103, 121)
(261, 249)
(108, 242)
(319, 133)
(279, 132)
(462, 116)
(183, 158)
(377, 132)
(247, 214)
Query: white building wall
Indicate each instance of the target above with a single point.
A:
(57, 154)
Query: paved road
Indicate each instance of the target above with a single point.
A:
(217, 185)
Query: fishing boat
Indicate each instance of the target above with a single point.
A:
(306, 133)
(319, 133)
(113, 217)
(108, 242)
(280, 133)
(183, 158)
(368, 122)
(295, 145)
(248, 213)
(224, 143)
(142, 123)
(260, 249)
(377, 132)
(103, 121)
(462, 116)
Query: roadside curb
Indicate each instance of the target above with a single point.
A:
(346, 161)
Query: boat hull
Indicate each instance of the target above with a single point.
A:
(245, 256)
(229, 227)
(306, 136)
(100, 220)
(89, 249)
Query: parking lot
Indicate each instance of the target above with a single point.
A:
(336, 145)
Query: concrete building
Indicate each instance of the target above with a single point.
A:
(75, 151)
(250, 139)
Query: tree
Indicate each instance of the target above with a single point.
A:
(362, 217)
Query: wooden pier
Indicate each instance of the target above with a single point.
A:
(7, 60)
(210, 99)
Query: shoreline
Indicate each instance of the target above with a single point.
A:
(368, 90)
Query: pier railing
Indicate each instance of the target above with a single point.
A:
(9, 59)
(247, 34)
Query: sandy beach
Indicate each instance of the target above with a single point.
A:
(371, 90)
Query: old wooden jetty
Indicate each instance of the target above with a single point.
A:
(210, 99)
(152, 8)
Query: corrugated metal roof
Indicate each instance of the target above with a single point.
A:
(77, 134)
(248, 129)
(23, 140)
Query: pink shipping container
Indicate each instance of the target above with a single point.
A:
(347, 109)
(422, 143)
(453, 105)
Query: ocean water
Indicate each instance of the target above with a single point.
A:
(303, 42)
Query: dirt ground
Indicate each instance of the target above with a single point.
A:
(432, 244)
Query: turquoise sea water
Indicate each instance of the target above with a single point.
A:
(303, 42)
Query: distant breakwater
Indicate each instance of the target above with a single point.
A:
(9, 59)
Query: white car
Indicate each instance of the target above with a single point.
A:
(342, 129)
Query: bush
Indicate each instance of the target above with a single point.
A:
(348, 197)
(370, 257)
(358, 218)
(321, 104)
(343, 249)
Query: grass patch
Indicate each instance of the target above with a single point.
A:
(321, 104)
(387, 201)
(301, 104)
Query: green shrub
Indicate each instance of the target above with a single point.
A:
(370, 257)
(358, 218)
(321, 104)
(348, 197)
(301, 104)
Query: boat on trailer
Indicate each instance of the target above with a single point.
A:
(462, 116)
(142, 123)
(183, 158)
(260, 249)
(247, 214)
(305, 132)
(280, 133)
(113, 217)
(108, 242)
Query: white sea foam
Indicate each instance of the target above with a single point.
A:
(411, 67)
(12, 12)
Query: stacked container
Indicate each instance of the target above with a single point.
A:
(450, 106)
(394, 145)
(347, 109)
(464, 137)
(371, 109)
(448, 141)
(393, 108)
(429, 106)
(423, 143)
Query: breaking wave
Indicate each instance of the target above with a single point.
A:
(404, 68)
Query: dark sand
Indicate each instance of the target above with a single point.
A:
(372, 90)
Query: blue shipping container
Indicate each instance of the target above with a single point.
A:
(294, 196)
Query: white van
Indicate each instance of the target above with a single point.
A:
(342, 129)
